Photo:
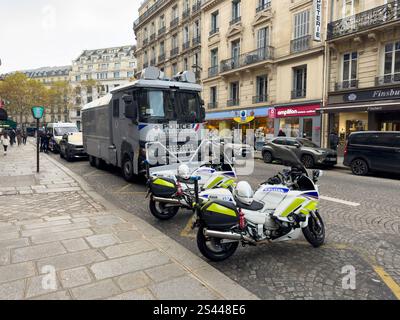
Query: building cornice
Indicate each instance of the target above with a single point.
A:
(207, 5)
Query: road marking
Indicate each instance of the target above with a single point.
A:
(388, 281)
(348, 203)
(187, 232)
(123, 188)
(92, 173)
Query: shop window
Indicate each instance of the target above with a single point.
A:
(290, 126)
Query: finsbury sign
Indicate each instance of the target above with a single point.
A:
(380, 94)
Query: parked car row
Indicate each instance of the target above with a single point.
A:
(365, 152)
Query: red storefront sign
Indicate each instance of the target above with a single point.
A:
(295, 111)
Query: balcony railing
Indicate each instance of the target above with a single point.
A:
(174, 22)
(387, 79)
(186, 14)
(233, 102)
(264, 6)
(213, 105)
(162, 30)
(235, 20)
(249, 58)
(149, 12)
(161, 58)
(186, 45)
(213, 71)
(260, 99)
(196, 40)
(153, 37)
(196, 7)
(298, 94)
(300, 44)
(365, 20)
(347, 84)
(174, 52)
(214, 31)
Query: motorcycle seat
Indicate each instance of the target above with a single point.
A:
(254, 206)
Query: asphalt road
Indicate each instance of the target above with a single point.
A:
(362, 217)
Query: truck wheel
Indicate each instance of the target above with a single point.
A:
(99, 163)
(127, 169)
(92, 161)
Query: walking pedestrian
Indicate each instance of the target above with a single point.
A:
(281, 133)
(5, 141)
(19, 137)
(333, 140)
(12, 137)
(24, 137)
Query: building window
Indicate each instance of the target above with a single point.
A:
(117, 65)
(78, 78)
(299, 82)
(261, 90)
(162, 48)
(349, 73)
(213, 98)
(349, 8)
(162, 22)
(235, 10)
(116, 75)
(174, 69)
(263, 38)
(392, 60)
(234, 94)
(196, 29)
(174, 41)
(185, 64)
(130, 74)
(214, 22)
(235, 52)
(213, 71)
(301, 33)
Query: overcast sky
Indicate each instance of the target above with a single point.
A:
(39, 33)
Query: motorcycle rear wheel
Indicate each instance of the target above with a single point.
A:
(315, 231)
(213, 249)
(161, 211)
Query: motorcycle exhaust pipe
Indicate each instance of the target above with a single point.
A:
(228, 236)
(167, 200)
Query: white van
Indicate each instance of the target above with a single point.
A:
(57, 131)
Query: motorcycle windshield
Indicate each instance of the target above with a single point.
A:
(290, 159)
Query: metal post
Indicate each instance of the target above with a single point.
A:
(37, 145)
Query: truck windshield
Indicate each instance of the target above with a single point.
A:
(159, 106)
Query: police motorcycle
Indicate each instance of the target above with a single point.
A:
(282, 208)
(170, 187)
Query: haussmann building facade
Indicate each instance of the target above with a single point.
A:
(263, 66)
(364, 68)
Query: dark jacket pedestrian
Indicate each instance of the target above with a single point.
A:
(24, 137)
(12, 137)
(281, 133)
(333, 140)
(19, 137)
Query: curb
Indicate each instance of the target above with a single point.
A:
(209, 276)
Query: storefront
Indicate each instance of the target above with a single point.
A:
(255, 119)
(376, 110)
(302, 120)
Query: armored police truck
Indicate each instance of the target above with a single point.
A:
(116, 127)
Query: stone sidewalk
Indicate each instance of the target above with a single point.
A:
(61, 240)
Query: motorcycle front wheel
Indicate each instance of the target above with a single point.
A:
(315, 231)
(213, 249)
(161, 211)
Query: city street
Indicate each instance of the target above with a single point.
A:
(362, 217)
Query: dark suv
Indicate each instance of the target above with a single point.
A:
(373, 151)
(308, 152)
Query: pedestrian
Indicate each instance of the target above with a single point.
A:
(12, 137)
(5, 141)
(281, 133)
(24, 137)
(333, 140)
(41, 139)
(19, 137)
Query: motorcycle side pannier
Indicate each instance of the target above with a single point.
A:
(163, 187)
(220, 215)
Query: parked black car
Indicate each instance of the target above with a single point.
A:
(373, 151)
(308, 152)
(71, 147)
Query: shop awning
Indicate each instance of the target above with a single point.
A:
(231, 114)
(363, 107)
